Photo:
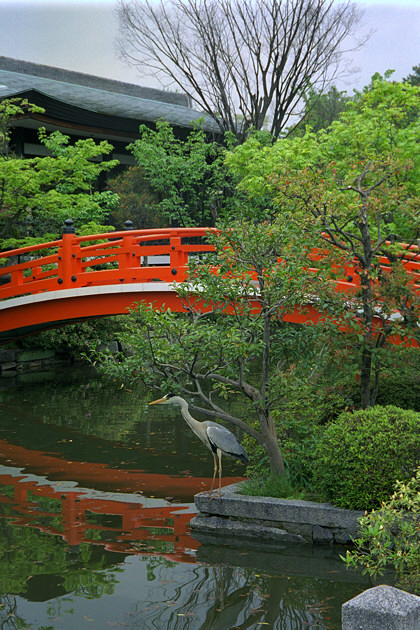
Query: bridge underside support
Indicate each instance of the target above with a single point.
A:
(27, 316)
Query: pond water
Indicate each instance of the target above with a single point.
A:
(96, 496)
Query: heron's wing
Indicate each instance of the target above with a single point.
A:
(222, 439)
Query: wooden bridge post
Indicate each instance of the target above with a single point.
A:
(125, 258)
(73, 519)
(178, 258)
(65, 260)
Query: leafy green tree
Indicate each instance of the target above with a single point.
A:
(137, 201)
(321, 109)
(188, 176)
(76, 339)
(223, 347)
(359, 182)
(10, 109)
(310, 390)
(414, 77)
(38, 194)
(389, 536)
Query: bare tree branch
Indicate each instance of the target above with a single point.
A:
(245, 63)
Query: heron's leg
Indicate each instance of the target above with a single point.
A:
(220, 473)
(214, 472)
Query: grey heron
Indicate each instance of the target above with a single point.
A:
(216, 437)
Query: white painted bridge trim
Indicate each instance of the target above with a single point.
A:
(133, 287)
(62, 294)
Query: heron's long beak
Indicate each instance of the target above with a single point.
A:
(158, 401)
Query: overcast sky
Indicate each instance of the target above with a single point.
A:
(80, 35)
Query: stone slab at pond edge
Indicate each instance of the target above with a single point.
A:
(382, 608)
(275, 520)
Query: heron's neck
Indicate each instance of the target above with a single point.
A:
(192, 422)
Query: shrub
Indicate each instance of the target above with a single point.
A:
(399, 384)
(390, 536)
(400, 389)
(362, 454)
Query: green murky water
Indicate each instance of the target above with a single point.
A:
(95, 498)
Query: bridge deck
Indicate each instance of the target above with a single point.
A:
(81, 277)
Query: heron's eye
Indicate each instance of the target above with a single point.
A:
(169, 396)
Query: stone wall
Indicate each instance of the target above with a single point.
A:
(15, 362)
(281, 520)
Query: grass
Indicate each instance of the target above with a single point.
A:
(277, 486)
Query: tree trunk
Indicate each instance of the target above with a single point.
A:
(271, 443)
(367, 306)
(276, 458)
(365, 375)
(268, 427)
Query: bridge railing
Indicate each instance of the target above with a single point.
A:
(349, 272)
(102, 259)
(131, 256)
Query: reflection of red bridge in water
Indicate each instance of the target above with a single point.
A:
(136, 527)
(80, 277)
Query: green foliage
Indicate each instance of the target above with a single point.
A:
(379, 130)
(321, 109)
(414, 77)
(400, 390)
(362, 454)
(358, 181)
(222, 346)
(138, 202)
(309, 389)
(278, 486)
(390, 535)
(400, 384)
(15, 243)
(83, 230)
(91, 227)
(188, 176)
(38, 194)
(300, 419)
(77, 339)
(10, 109)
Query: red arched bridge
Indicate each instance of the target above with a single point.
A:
(81, 277)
